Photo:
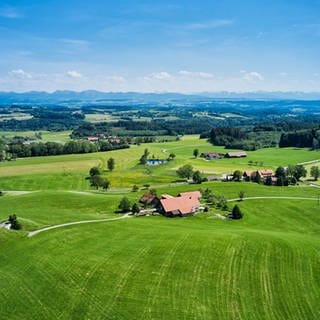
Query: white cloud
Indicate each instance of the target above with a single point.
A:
(192, 74)
(74, 74)
(19, 74)
(160, 76)
(75, 42)
(212, 24)
(10, 13)
(252, 76)
(116, 78)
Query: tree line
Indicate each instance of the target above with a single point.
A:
(13, 149)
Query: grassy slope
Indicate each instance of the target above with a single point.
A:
(39, 209)
(59, 136)
(264, 267)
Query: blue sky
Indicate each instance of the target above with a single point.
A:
(181, 46)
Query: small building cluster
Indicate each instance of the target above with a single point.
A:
(217, 156)
(114, 140)
(260, 175)
(185, 204)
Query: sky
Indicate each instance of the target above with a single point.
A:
(184, 46)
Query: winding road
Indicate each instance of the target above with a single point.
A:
(33, 233)
(274, 197)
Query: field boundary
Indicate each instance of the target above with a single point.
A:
(271, 197)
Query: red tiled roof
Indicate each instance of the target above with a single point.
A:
(266, 173)
(248, 173)
(186, 202)
(181, 204)
(147, 197)
(167, 196)
(191, 195)
(237, 154)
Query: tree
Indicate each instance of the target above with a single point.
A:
(153, 192)
(241, 195)
(237, 175)
(196, 177)
(280, 172)
(171, 156)
(94, 171)
(222, 203)
(124, 205)
(105, 184)
(15, 225)
(236, 213)
(299, 171)
(143, 159)
(196, 153)
(185, 171)
(315, 172)
(268, 181)
(97, 181)
(135, 208)
(135, 188)
(111, 164)
(290, 170)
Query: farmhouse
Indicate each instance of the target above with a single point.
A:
(186, 203)
(264, 174)
(211, 156)
(149, 199)
(238, 154)
(93, 139)
(248, 174)
(259, 174)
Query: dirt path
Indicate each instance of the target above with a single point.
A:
(274, 197)
(33, 233)
(309, 162)
(17, 193)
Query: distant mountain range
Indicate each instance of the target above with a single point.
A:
(98, 97)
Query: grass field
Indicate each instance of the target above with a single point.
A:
(265, 266)
(47, 136)
(69, 171)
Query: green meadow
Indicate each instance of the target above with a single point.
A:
(47, 136)
(265, 266)
(68, 171)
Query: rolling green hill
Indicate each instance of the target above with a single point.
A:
(265, 266)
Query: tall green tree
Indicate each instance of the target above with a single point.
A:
(280, 172)
(15, 225)
(97, 181)
(185, 171)
(135, 208)
(111, 164)
(237, 175)
(124, 205)
(236, 213)
(241, 195)
(315, 172)
(196, 153)
(299, 171)
(196, 177)
(94, 171)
